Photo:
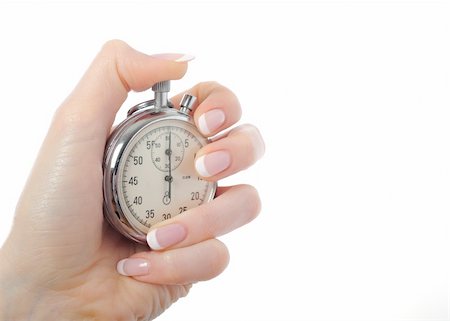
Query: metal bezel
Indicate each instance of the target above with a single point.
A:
(115, 146)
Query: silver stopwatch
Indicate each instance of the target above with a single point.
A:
(148, 170)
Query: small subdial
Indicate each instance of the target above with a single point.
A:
(167, 146)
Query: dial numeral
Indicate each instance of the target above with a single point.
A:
(133, 180)
(195, 196)
(138, 160)
(152, 144)
(166, 216)
(137, 200)
(150, 213)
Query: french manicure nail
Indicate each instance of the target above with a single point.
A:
(213, 163)
(257, 140)
(166, 236)
(177, 57)
(211, 121)
(133, 267)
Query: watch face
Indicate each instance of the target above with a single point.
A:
(156, 177)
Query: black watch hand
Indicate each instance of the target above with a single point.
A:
(168, 178)
(168, 195)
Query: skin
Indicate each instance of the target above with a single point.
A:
(59, 261)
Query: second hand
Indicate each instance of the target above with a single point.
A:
(168, 195)
(170, 164)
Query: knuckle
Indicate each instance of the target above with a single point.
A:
(113, 46)
(253, 201)
(114, 56)
(208, 85)
(220, 94)
(218, 260)
(252, 141)
(212, 86)
(69, 119)
(210, 223)
(244, 129)
(206, 88)
(171, 269)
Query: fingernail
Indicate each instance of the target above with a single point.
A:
(133, 267)
(166, 236)
(177, 57)
(212, 164)
(257, 141)
(211, 121)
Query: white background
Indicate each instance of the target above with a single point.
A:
(352, 98)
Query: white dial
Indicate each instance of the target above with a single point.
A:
(156, 174)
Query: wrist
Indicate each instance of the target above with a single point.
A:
(17, 296)
(20, 297)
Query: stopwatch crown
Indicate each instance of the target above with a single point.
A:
(161, 98)
(161, 87)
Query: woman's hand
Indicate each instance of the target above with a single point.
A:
(59, 261)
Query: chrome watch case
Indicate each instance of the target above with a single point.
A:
(139, 117)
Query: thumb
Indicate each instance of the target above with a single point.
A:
(115, 71)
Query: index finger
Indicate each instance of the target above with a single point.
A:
(217, 107)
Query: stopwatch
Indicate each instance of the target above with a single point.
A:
(148, 169)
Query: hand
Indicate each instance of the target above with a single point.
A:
(59, 261)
